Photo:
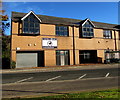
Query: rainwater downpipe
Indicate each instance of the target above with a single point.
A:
(115, 41)
(73, 45)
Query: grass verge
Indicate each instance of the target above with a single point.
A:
(111, 94)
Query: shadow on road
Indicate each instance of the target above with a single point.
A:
(33, 91)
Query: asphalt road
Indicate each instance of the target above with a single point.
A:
(58, 82)
(59, 75)
(31, 89)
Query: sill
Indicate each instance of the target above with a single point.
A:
(107, 38)
(86, 37)
(27, 34)
(61, 36)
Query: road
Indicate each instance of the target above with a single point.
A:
(58, 82)
(58, 75)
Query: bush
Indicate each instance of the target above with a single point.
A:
(13, 64)
(5, 63)
(5, 51)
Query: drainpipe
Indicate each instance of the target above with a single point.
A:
(115, 41)
(73, 45)
(11, 44)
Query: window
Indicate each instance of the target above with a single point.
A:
(87, 30)
(61, 30)
(86, 55)
(107, 34)
(31, 25)
(62, 57)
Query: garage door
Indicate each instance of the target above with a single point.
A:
(26, 60)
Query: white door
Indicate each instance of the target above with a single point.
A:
(62, 60)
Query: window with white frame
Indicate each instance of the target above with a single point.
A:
(62, 30)
(31, 25)
(87, 30)
(107, 34)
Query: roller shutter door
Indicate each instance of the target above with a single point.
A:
(27, 60)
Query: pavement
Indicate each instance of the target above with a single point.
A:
(59, 68)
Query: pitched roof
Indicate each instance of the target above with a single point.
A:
(16, 16)
(87, 19)
(31, 12)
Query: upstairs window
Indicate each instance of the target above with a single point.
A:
(62, 30)
(31, 24)
(87, 30)
(107, 34)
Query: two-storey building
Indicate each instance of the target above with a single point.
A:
(40, 40)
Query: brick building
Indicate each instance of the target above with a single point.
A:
(39, 40)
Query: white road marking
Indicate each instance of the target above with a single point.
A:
(24, 80)
(82, 76)
(99, 78)
(115, 77)
(52, 78)
(107, 75)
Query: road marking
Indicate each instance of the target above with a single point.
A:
(115, 77)
(52, 78)
(82, 76)
(98, 78)
(107, 75)
(24, 80)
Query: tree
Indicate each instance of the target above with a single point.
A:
(5, 23)
(5, 41)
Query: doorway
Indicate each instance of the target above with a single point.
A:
(29, 59)
(62, 57)
(88, 56)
